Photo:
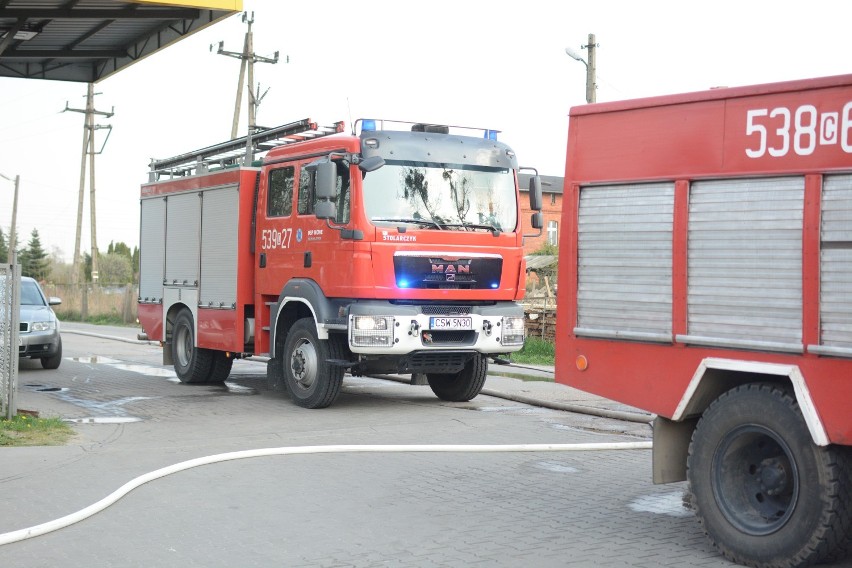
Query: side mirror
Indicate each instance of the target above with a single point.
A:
(535, 193)
(537, 220)
(54, 301)
(326, 180)
(325, 210)
(371, 164)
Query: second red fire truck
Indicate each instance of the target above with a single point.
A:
(706, 276)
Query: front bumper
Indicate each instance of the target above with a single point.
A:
(38, 344)
(383, 328)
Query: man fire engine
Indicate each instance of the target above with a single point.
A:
(396, 250)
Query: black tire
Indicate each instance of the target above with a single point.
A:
(462, 386)
(192, 365)
(764, 493)
(220, 367)
(311, 381)
(54, 360)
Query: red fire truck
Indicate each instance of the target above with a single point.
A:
(394, 250)
(706, 277)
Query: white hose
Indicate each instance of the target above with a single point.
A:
(50, 526)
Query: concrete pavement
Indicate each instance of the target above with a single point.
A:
(133, 417)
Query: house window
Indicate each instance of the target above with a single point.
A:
(553, 199)
(552, 236)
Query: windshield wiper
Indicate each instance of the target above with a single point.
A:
(430, 222)
(494, 230)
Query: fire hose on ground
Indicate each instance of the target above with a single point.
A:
(62, 522)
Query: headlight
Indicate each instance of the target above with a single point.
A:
(513, 330)
(42, 325)
(370, 323)
(371, 331)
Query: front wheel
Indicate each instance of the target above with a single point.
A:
(764, 493)
(311, 381)
(54, 360)
(192, 365)
(461, 386)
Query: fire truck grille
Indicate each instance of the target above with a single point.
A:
(440, 273)
(432, 362)
(446, 337)
(445, 310)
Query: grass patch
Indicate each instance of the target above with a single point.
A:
(100, 319)
(536, 351)
(23, 430)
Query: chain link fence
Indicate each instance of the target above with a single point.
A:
(10, 299)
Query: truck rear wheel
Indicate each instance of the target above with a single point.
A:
(461, 386)
(192, 365)
(311, 381)
(764, 493)
(220, 367)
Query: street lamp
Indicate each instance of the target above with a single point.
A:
(12, 244)
(590, 66)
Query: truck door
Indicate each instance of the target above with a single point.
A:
(291, 241)
(318, 246)
(275, 230)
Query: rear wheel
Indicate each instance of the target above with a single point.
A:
(311, 381)
(220, 367)
(765, 494)
(461, 386)
(192, 365)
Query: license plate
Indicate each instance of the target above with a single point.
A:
(450, 323)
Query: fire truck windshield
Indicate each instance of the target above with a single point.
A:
(441, 196)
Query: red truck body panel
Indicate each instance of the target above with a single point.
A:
(799, 130)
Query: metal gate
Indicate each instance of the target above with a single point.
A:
(10, 300)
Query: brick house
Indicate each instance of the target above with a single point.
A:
(551, 188)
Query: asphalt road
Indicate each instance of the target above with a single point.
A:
(132, 416)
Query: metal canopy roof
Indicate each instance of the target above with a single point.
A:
(89, 40)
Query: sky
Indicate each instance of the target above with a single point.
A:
(482, 63)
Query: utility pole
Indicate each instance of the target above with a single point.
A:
(89, 128)
(591, 67)
(247, 59)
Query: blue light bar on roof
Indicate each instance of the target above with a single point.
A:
(491, 134)
(368, 124)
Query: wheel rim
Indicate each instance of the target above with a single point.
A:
(303, 364)
(183, 341)
(755, 480)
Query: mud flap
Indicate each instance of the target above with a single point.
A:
(275, 375)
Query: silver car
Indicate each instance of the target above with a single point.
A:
(39, 332)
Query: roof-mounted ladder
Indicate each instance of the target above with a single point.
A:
(239, 150)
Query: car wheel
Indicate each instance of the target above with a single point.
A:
(54, 360)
